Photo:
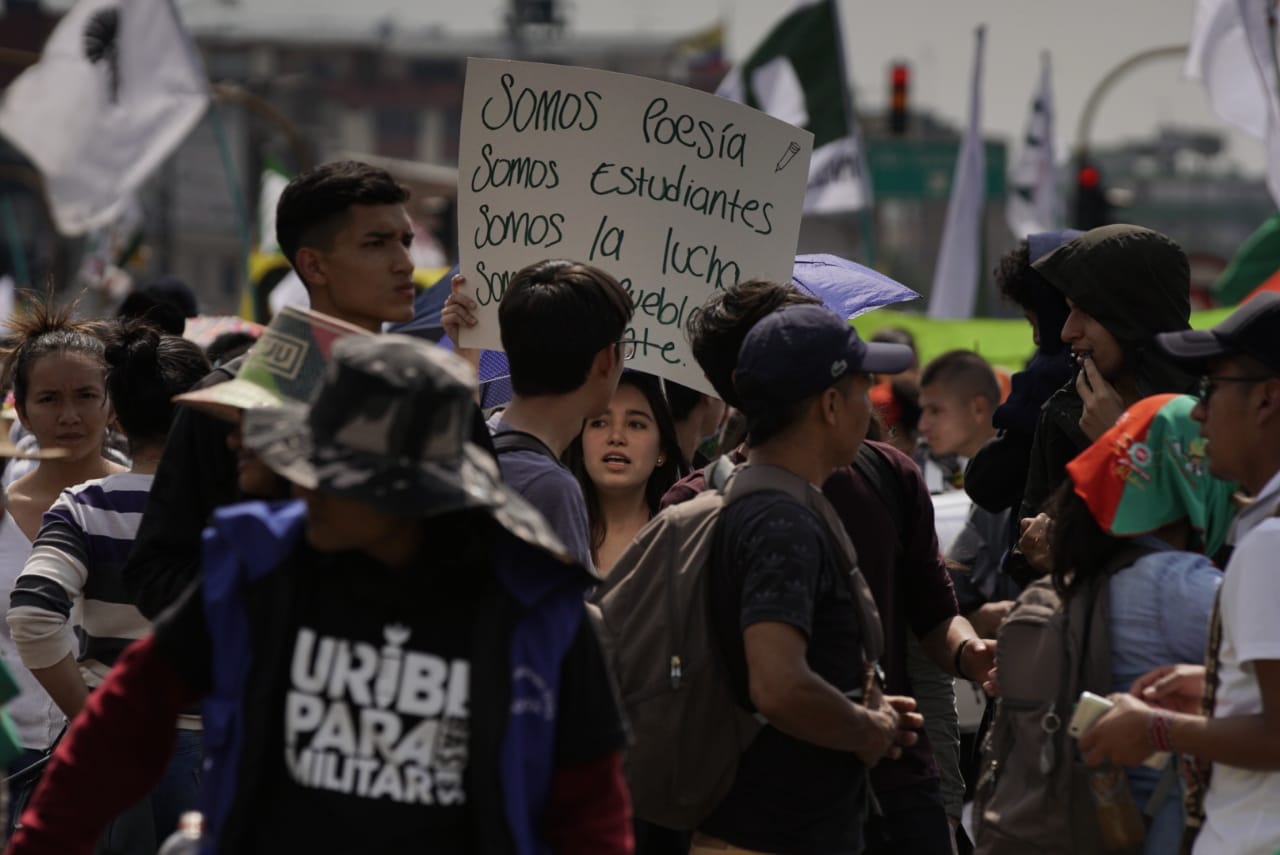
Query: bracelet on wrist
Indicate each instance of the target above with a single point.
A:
(959, 655)
(1160, 731)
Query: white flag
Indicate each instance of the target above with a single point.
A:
(1262, 52)
(1219, 56)
(955, 279)
(118, 86)
(273, 183)
(1034, 204)
(797, 74)
(1232, 53)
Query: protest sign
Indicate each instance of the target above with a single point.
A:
(675, 192)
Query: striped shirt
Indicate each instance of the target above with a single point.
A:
(70, 598)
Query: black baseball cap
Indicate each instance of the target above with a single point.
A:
(1253, 329)
(799, 351)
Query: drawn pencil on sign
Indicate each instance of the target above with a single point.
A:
(792, 151)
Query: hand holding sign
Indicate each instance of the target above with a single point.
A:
(677, 193)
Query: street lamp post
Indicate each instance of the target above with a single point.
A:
(1085, 126)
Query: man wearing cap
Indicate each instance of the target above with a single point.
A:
(782, 608)
(887, 514)
(1226, 713)
(364, 689)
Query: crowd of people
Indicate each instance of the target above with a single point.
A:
(315, 592)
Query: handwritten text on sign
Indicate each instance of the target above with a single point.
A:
(675, 192)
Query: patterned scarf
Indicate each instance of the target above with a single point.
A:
(1196, 772)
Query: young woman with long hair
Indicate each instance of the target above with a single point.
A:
(625, 459)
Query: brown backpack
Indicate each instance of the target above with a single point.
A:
(652, 615)
(1032, 793)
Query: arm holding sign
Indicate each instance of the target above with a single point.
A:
(459, 314)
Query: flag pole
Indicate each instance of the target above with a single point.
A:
(866, 216)
(17, 252)
(249, 299)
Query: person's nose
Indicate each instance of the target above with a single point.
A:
(1072, 329)
(403, 260)
(69, 414)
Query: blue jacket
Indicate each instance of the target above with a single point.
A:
(520, 641)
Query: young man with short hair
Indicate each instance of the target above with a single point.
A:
(903, 569)
(562, 324)
(795, 644)
(1228, 713)
(400, 662)
(344, 228)
(958, 393)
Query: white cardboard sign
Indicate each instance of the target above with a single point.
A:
(675, 192)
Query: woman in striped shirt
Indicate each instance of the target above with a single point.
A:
(70, 615)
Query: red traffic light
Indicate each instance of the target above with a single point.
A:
(900, 75)
(1089, 177)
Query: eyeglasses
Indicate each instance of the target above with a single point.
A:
(627, 349)
(1209, 383)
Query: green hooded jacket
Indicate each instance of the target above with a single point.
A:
(1135, 282)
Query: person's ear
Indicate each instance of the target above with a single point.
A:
(606, 360)
(310, 266)
(1269, 402)
(831, 400)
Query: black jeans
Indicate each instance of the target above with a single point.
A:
(912, 821)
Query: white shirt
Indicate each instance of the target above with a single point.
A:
(1240, 807)
(35, 716)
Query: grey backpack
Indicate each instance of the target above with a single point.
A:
(1032, 793)
(652, 616)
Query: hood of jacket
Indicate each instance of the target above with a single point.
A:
(1135, 282)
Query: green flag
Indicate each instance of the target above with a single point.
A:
(1257, 259)
(797, 74)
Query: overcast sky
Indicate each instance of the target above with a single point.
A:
(1084, 37)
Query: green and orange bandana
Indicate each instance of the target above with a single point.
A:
(1149, 470)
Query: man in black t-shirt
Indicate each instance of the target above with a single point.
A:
(786, 612)
(399, 663)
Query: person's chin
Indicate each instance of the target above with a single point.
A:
(75, 451)
(317, 539)
(618, 481)
(402, 312)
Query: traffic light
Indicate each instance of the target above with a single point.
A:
(536, 11)
(1092, 208)
(899, 86)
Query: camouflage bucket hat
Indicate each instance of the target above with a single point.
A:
(389, 427)
(284, 365)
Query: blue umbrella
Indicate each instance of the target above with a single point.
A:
(845, 287)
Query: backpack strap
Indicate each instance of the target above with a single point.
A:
(507, 441)
(758, 478)
(716, 473)
(1120, 559)
(876, 469)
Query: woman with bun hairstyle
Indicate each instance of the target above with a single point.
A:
(85, 538)
(58, 377)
